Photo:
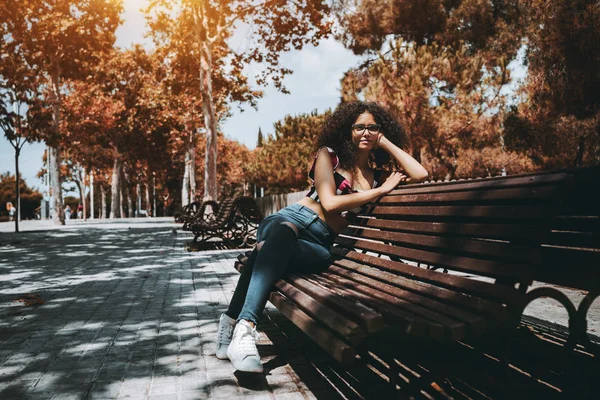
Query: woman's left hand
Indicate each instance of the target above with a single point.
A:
(378, 141)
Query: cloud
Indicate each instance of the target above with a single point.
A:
(315, 84)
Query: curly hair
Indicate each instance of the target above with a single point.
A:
(337, 134)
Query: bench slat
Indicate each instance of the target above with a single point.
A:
(477, 322)
(459, 263)
(472, 196)
(365, 317)
(480, 290)
(474, 307)
(495, 250)
(390, 295)
(491, 231)
(484, 184)
(520, 214)
(586, 240)
(394, 317)
(577, 223)
(347, 329)
(435, 329)
(339, 350)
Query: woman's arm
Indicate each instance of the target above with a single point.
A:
(414, 170)
(326, 189)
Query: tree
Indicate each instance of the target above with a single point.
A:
(557, 122)
(22, 115)
(20, 126)
(282, 163)
(276, 26)
(121, 114)
(441, 67)
(492, 26)
(60, 39)
(90, 127)
(261, 141)
(76, 173)
(30, 198)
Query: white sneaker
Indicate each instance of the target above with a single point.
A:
(242, 351)
(224, 335)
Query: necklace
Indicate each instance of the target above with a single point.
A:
(359, 181)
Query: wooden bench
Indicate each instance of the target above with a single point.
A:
(196, 211)
(235, 223)
(452, 261)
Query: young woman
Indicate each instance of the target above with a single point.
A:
(358, 140)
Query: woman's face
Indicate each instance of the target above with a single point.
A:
(365, 131)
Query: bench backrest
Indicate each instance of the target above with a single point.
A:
(224, 214)
(486, 233)
(249, 209)
(570, 255)
(229, 207)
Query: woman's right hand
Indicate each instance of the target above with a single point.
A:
(392, 181)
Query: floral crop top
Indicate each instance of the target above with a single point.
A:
(342, 184)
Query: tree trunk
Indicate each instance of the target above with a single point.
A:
(84, 203)
(54, 165)
(58, 215)
(92, 194)
(154, 213)
(80, 182)
(185, 187)
(103, 196)
(192, 167)
(148, 206)
(139, 200)
(121, 209)
(128, 193)
(84, 197)
(208, 108)
(580, 152)
(17, 188)
(114, 189)
(121, 200)
(81, 190)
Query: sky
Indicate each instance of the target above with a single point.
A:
(313, 85)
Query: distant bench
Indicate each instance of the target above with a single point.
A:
(233, 220)
(452, 261)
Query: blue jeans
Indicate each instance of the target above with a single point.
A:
(283, 251)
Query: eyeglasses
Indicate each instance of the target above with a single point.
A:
(360, 129)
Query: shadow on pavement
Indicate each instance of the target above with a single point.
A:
(126, 312)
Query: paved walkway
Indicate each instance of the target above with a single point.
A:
(128, 313)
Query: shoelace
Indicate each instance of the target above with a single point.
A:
(225, 334)
(247, 344)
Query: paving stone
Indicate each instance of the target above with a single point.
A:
(105, 390)
(193, 395)
(65, 396)
(224, 388)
